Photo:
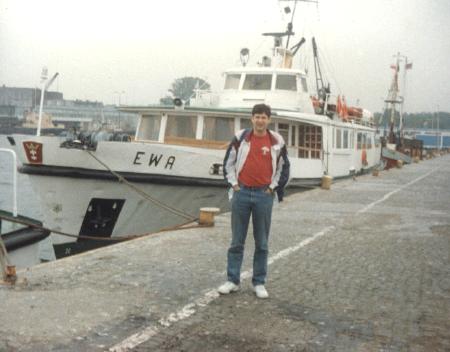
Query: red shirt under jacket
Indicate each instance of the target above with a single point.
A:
(257, 170)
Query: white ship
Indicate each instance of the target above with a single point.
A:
(173, 164)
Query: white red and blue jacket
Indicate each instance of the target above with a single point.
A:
(237, 153)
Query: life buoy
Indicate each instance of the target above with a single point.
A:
(364, 158)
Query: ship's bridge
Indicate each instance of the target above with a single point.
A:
(281, 88)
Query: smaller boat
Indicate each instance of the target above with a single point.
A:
(21, 238)
(396, 147)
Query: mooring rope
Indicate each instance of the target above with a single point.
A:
(143, 193)
(106, 239)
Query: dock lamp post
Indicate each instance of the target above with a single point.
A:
(45, 85)
(120, 95)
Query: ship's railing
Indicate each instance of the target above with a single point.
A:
(205, 98)
(14, 157)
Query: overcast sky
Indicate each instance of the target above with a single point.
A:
(102, 47)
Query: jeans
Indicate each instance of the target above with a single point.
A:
(258, 204)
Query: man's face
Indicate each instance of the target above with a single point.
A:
(260, 122)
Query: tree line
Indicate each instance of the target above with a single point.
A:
(419, 120)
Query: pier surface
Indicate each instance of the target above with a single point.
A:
(364, 266)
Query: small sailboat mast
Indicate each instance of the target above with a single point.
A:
(394, 98)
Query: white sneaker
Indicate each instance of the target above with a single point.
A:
(228, 287)
(260, 291)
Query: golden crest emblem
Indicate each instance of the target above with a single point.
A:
(33, 150)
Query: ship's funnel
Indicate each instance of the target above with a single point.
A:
(286, 57)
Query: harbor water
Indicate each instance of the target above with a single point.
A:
(27, 203)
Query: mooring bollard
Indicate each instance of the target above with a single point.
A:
(206, 217)
(8, 272)
(326, 182)
(375, 172)
(399, 164)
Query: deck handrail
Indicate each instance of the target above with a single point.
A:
(14, 156)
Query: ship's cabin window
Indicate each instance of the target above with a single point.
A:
(181, 126)
(232, 81)
(345, 144)
(149, 127)
(309, 142)
(342, 139)
(364, 140)
(257, 82)
(286, 82)
(338, 138)
(359, 140)
(368, 141)
(218, 129)
(283, 129)
(304, 84)
(294, 136)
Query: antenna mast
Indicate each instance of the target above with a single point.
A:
(290, 27)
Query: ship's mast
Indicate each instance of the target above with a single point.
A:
(289, 31)
(406, 68)
(394, 98)
(286, 53)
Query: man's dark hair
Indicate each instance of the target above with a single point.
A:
(261, 109)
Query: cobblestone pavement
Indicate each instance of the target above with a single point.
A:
(379, 282)
(362, 267)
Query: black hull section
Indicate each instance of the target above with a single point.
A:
(80, 173)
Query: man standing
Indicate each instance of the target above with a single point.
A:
(255, 166)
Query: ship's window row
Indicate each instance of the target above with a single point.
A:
(264, 82)
(302, 140)
(344, 139)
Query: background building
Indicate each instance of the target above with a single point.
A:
(20, 104)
